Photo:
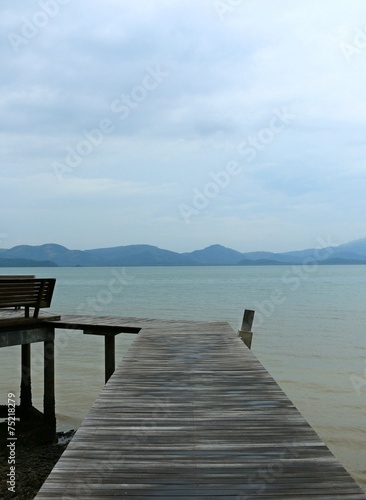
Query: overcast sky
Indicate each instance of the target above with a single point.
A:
(183, 123)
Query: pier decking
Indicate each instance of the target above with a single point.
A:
(191, 413)
(16, 329)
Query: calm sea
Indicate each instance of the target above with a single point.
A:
(309, 332)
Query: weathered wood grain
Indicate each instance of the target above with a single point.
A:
(27, 292)
(191, 413)
(95, 324)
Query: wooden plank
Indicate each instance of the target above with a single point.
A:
(13, 323)
(24, 336)
(191, 413)
(97, 324)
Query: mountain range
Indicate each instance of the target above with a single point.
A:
(52, 254)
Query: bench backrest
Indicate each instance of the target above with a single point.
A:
(27, 292)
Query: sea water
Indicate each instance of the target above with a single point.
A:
(309, 333)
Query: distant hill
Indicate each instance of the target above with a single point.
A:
(214, 255)
(26, 263)
(52, 254)
(58, 254)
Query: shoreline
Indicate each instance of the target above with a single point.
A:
(34, 462)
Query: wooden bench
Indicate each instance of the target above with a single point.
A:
(26, 292)
(16, 277)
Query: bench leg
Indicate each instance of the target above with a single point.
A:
(49, 385)
(26, 385)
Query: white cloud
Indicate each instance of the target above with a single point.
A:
(224, 77)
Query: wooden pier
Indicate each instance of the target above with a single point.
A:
(17, 330)
(190, 413)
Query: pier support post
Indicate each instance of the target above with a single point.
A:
(26, 381)
(109, 348)
(245, 332)
(49, 385)
(109, 355)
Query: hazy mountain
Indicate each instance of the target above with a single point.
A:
(353, 249)
(215, 255)
(58, 254)
(26, 263)
(136, 255)
(147, 255)
(269, 257)
(132, 255)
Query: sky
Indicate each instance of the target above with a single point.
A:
(183, 123)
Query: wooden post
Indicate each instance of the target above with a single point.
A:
(26, 381)
(109, 346)
(109, 355)
(245, 332)
(49, 385)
